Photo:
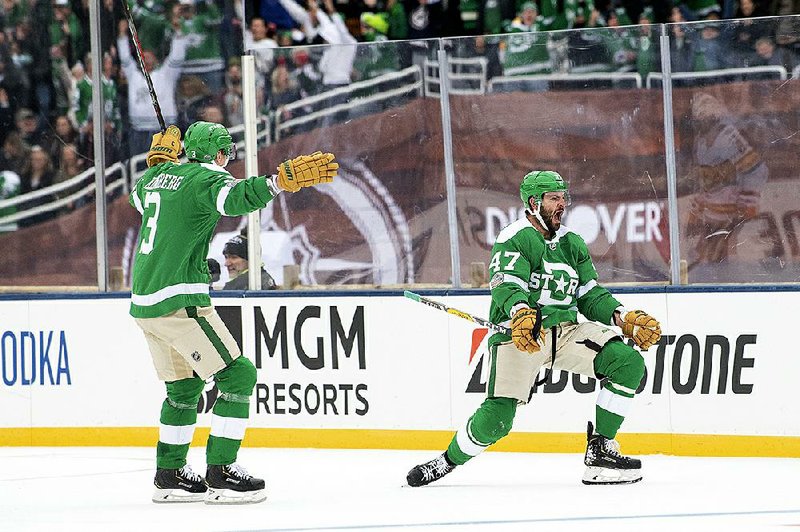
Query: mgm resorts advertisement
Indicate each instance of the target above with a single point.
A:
(385, 362)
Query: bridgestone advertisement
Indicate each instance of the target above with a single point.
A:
(389, 363)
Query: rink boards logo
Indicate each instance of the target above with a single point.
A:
(637, 222)
(303, 371)
(706, 365)
(35, 358)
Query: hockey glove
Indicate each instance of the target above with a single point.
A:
(306, 171)
(526, 328)
(165, 147)
(642, 327)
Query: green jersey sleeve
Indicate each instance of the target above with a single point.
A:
(594, 302)
(223, 193)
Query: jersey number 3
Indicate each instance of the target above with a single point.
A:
(149, 236)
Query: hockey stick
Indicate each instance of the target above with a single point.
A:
(138, 47)
(461, 314)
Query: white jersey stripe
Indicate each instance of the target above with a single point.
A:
(228, 427)
(137, 202)
(583, 290)
(168, 292)
(221, 197)
(508, 278)
(176, 435)
(622, 388)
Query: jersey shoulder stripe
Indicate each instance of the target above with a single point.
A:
(512, 229)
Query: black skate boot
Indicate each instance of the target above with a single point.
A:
(178, 485)
(605, 464)
(426, 473)
(231, 484)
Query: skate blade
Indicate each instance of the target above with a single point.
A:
(225, 496)
(176, 495)
(605, 475)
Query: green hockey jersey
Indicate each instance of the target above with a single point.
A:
(525, 50)
(556, 274)
(180, 205)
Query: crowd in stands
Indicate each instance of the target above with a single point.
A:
(192, 50)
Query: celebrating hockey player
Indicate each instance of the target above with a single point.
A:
(180, 205)
(542, 276)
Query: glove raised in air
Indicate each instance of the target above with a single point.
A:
(526, 330)
(166, 146)
(642, 327)
(306, 171)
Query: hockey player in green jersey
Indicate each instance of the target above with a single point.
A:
(180, 205)
(542, 277)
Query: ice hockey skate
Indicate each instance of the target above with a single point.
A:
(426, 473)
(605, 464)
(231, 484)
(179, 485)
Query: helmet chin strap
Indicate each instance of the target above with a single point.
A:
(538, 217)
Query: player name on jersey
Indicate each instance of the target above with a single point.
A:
(164, 181)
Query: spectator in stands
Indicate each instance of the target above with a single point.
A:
(235, 253)
(767, 54)
(525, 51)
(143, 122)
(191, 97)
(38, 43)
(787, 34)
(6, 115)
(81, 96)
(680, 44)
(9, 188)
(70, 162)
(700, 9)
(13, 81)
(232, 28)
(63, 133)
(377, 59)
(747, 31)
(284, 89)
(621, 42)
(212, 113)
(395, 14)
(709, 52)
(66, 31)
(12, 12)
(200, 22)
(37, 173)
(260, 40)
(214, 271)
(233, 99)
(14, 154)
(29, 127)
(398, 21)
(63, 81)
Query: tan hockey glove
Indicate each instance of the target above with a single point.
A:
(307, 171)
(526, 326)
(642, 327)
(165, 147)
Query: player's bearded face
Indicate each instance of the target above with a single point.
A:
(552, 209)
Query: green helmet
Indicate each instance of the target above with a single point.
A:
(204, 139)
(536, 183)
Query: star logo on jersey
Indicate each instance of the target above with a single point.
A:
(561, 284)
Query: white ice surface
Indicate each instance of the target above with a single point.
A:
(109, 489)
